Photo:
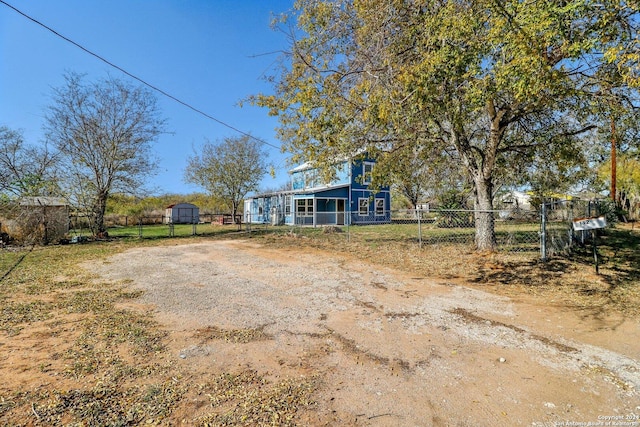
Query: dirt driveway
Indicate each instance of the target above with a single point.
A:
(388, 348)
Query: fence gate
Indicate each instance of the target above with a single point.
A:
(557, 233)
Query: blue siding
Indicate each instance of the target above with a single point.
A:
(371, 216)
(342, 192)
(307, 179)
(315, 204)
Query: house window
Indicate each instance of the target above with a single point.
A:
(363, 207)
(298, 181)
(304, 207)
(311, 178)
(287, 205)
(367, 173)
(379, 207)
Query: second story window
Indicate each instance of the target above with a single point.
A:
(367, 173)
(311, 178)
(298, 181)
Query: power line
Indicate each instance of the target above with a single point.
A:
(157, 89)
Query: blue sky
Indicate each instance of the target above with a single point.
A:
(209, 54)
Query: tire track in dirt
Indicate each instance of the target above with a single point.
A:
(391, 349)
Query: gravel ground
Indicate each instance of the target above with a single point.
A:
(391, 348)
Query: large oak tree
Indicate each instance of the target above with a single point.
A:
(491, 81)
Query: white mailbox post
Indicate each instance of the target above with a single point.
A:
(586, 224)
(582, 224)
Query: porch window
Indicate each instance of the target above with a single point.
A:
(379, 207)
(304, 207)
(363, 207)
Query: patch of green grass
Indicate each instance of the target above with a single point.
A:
(40, 269)
(156, 231)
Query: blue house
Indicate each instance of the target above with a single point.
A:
(346, 200)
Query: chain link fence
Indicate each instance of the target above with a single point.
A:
(544, 232)
(557, 232)
(514, 231)
(153, 226)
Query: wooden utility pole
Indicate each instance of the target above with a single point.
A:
(613, 160)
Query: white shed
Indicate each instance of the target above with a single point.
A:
(182, 213)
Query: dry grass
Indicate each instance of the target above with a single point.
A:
(85, 360)
(570, 280)
(248, 399)
(233, 335)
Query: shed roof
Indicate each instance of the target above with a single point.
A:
(43, 201)
(182, 205)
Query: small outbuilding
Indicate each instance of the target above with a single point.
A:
(44, 219)
(182, 213)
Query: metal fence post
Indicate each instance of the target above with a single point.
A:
(543, 232)
(419, 214)
(570, 228)
(348, 222)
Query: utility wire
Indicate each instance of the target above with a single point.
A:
(157, 89)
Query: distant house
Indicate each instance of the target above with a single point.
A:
(346, 200)
(517, 200)
(182, 213)
(44, 219)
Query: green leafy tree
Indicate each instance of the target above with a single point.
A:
(228, 169)
(421, 175)
(489, 80)
(104, 132)
(628, 182)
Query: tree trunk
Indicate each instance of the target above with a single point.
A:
(234, 211)
(99, 210)
(485, 221)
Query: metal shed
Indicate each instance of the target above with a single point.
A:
(182, 213)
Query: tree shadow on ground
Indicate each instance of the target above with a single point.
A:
(619, 252)
(16, 264)
(616, 285)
